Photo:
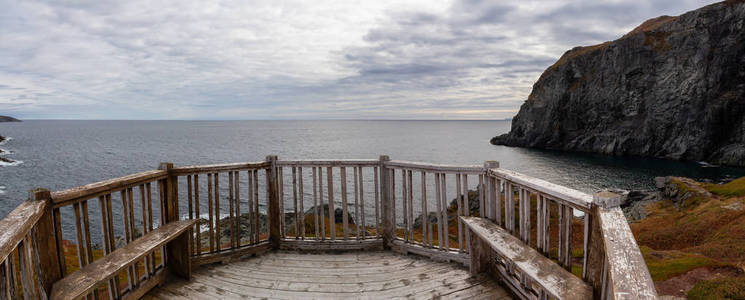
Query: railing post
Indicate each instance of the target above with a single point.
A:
(487, 190)
(170, 194)
(273, 213)
(45, 243)
(594, 251)
(386, 200)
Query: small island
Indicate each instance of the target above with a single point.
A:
(8, 119)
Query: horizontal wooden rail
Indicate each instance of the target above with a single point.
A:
(199, 169)
(573, 197)
(440, 168)
(327, 162)
(93, 190)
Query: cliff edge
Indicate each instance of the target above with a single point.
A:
(8, 119)
(674, 88)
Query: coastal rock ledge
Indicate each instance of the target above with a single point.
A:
(674, 88)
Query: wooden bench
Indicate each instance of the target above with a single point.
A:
(526, 271)
(176, 236)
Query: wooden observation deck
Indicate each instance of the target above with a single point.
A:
(285, 229)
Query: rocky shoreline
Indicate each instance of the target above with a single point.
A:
(4, 160)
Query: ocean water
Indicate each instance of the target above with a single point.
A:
(59, 154)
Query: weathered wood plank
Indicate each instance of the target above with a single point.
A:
(571, 196)
(237, 207)
(84, 280)
(18, 223)
(441, 168)
(273, 200)
(628, 274)
(328, 162)
(94, 190)
(338, 245)
(344, 210)
(210, 258)
(320, 204)
(359, 204)
(426, 230)
(301, 199)
(404, 202)
(410, 199)
(210, 214)
(438, 202)
(197, 215)
(294, 276)
(434, 254)
(556, 281)
(330, 194)
(242, 166)
(217, 212)
(445, 222)
(377, 202)
(295, 204)
(315, 202)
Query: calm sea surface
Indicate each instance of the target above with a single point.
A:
(63, 154)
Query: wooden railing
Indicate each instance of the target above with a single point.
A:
(250, 208)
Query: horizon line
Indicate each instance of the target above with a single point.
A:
(52, 119)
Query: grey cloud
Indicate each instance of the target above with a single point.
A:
(268, 59)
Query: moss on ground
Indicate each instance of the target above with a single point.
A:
(708, 230)
(664, 265)
(722, 288)
(735, 188)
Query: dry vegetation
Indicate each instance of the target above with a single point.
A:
(705, 231)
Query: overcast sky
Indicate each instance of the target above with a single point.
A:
(197, 59)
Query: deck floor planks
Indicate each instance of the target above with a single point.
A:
(352, 275)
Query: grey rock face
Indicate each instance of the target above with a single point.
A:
(672, 88)
(8, 119)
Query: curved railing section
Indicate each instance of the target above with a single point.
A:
(252, 207)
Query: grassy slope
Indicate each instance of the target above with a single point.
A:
(706, 231)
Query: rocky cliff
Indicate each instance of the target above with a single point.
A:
(8, 119)
(674, 87)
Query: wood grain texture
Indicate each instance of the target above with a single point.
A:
(554, 280)
(18, 223)
(629, 277)
(575, 198)
(328, 162)
(219, 168)
(351, 275)
(470, 169)
(83, 281)
(107, 186)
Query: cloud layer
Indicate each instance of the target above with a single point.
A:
(186, 59)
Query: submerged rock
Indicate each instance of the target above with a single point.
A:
(674, 88)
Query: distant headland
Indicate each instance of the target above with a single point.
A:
(671, 88)
(8, 119)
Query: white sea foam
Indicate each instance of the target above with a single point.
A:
(10, 164)
(707, 165)
(2, 189)
(7, 138)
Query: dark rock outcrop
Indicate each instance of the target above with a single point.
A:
(8, 119)
(674, 88)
